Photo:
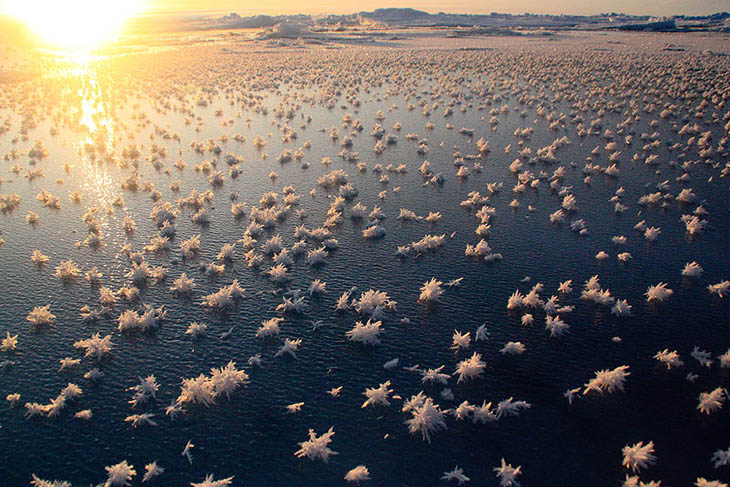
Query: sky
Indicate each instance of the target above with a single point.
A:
(250, 7)
(641, 7)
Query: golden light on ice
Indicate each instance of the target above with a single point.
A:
(75, 25)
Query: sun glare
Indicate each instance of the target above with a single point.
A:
(79, 26)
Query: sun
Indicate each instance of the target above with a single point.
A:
(78, 26)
